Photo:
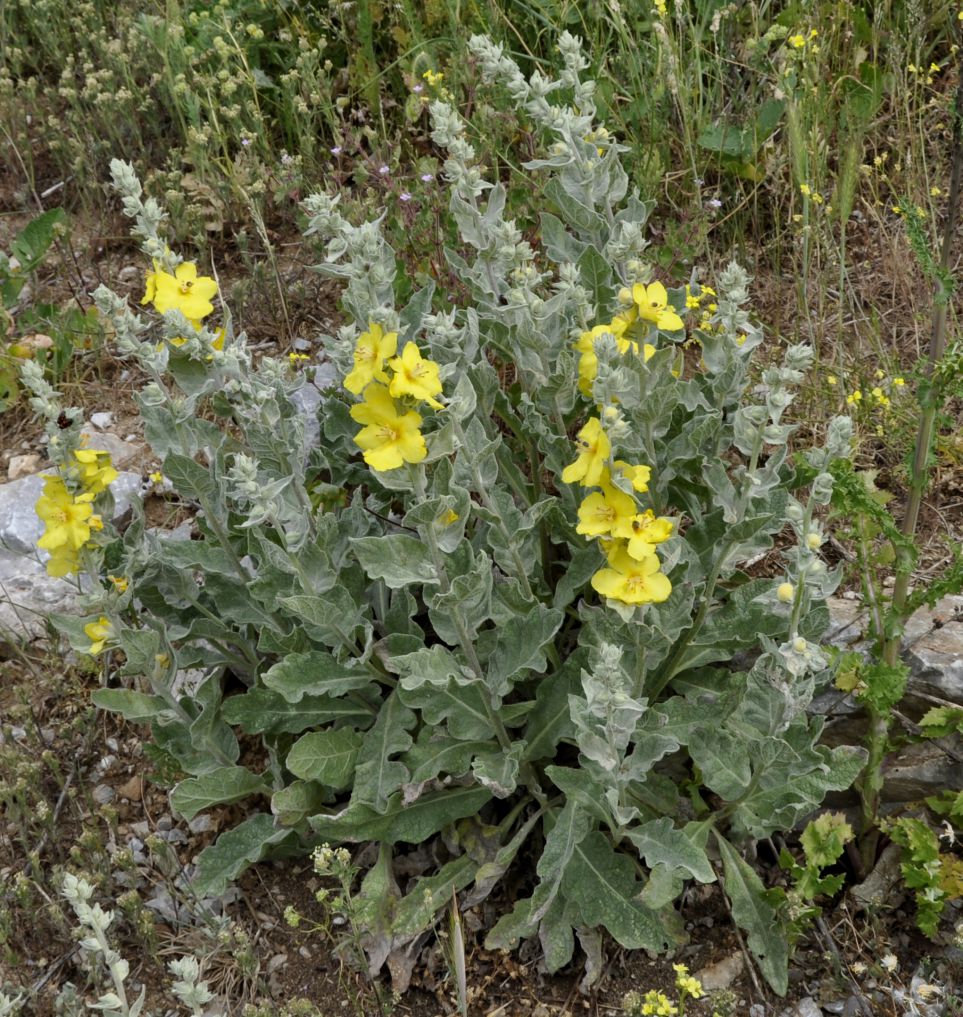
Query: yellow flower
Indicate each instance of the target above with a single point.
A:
(120, 583)
(805, 190)
(449, 517)
(98, 632)
(594, 450)
(93, 469)
(935, 192)
(797, 41)
(631, 581)
(415, 376)
(786, 593)
(898, 382)
(602, 512)
(63, 561)
(686, 984)
(156, 477)
(642, 532)
(184, 291)
(388, 437)
(830, 379)
(657, 1004)
(588, 364)
(854, 398)
(370, 352)
(637, 476)
(68, 520)
(653, 304)
(297, 358)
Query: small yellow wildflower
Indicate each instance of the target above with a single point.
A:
(854, 398)
(652, 302)
(594, 450)
(642, 532)
(786, 593)
(602, 512)
(805, 190)
(156, 477)
(434, 78)
(449, 517)
(899, 382)
(388, 438)
(120, 583)
(686, 983)
(632, 582)
(98, 632)
(93, 469)
(297, 358)
(638, 476)
(797, 41)
(68, 520)
(184, 291)
(414, 376)
(830, 379)
(370, 352)
(935, 192)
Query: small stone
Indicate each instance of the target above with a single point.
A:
(23, 466)
(304, 952)
(807, 1007)
(721, 974)
(200, 824)
(133, 789)
(102, 420)
(104, 794)
(165, 823)
(757, 1010)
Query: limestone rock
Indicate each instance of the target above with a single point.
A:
(23, 466)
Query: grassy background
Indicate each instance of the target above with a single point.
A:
(781, 133)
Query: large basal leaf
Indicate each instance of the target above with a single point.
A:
(766, 936)
(378, 775)
(226, 784)
(133, 706)
(234, 851)
(315, 673)
(301, 798)
(572, 824)
(261, 711)
(411, 824)
(330, 617)
(603, 885)
(327, 757)
(460, 706)
(432, 665)
(397, 559)
(436, 753)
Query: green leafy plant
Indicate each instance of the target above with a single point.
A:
(26, 254)
(922, 869)
(523, 622)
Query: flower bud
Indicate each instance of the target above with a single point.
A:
(813, 541)
(799, 644)
(786, 592)
(625, 295)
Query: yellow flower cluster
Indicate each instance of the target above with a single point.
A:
(799, 41)
(390, 436)
(693, 301)
(657, 1004)
(687, 984)
(629, 537)
(648, 304)
(68, 513)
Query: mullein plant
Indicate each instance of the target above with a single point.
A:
(505, 600)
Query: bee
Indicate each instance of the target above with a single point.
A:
(63, 421)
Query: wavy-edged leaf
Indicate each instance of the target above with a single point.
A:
(234, 851)
(658, 841)
(133, 706)
(219, 787)
(602, 885)
(326, 756)
(378, 775)
(397, 559)
(765, 935)
(261, 711)
(410, 824)
(314, 673)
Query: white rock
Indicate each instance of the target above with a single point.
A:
(22, 466)
(721, 974)
(102, 420)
